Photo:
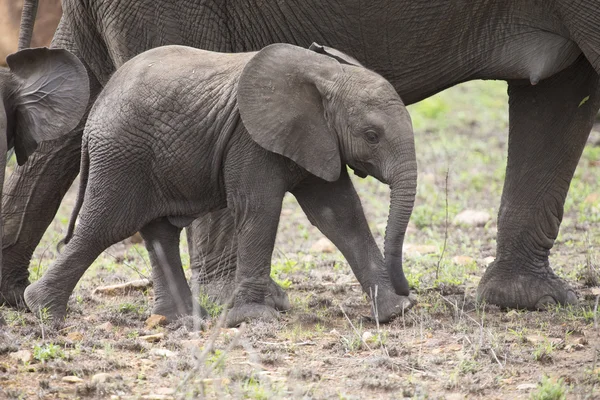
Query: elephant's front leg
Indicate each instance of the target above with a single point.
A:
(336, 210)
(256, 220)
(549, 125)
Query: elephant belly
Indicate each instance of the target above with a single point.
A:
(536, 56)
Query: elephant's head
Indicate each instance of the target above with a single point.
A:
(324, 111)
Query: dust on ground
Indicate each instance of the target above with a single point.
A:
(447, 346)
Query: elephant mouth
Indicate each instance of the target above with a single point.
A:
(358, 172)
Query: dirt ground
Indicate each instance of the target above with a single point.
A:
(446, 347)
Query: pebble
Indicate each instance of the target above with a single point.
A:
(155, 320)
(472, 218)
(75, 336)
(102, 377)
(107, 326)
(488, 260)
(366, 336)
(163, 353)
(24, 356)
(72, 379)
(323, 245)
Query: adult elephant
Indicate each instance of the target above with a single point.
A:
(548, 51)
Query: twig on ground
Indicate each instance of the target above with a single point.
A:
(437, 270)
(354, 328)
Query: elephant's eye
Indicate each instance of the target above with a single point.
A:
(371, 136)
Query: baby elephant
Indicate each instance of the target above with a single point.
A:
(179, 132)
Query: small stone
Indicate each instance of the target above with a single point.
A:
(72, 379)
(472, 218)
(107, 326)
(581, 341)
(366, 336)
(417, 250)
(102, 377)
(24, 356)
(526, 386)
(323, 245)
(462, 260)
(488, 260)
(192, 344)
(155, 320)
(123, 288)
(162, 353)
(75, 336)
(153, 338)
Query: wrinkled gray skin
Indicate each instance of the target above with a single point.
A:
(43, 95)
(179, 132)
(548, 51)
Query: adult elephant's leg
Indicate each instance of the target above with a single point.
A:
(212, 245)
(33, 193)
(549, 125)
(31, 198)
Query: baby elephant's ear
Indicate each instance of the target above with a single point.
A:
(282, 95)
(338, 55)
(52, 95)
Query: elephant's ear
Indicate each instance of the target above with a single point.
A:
(338, 55)
(281, 96)
(52, 95)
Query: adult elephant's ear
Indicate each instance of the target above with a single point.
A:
(51, 97)
(282, 96)
(338, 55)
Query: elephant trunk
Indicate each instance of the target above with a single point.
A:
(27, 21)
(403, 185)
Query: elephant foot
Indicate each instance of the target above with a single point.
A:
(534, 291)
(277, 298)
(222, 290)
(12, 294)
(250, 312)
(390, 305)
(48, 304)
(172, 312)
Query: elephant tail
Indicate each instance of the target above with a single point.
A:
(84, 172)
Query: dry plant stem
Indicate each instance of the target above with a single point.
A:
(209, 345)
(354, 329)
(481, 330)
(597, 333)
(437, 271)
(376, 314)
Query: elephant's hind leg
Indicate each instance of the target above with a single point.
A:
(49, 295)
(549, 125)
(172, 295)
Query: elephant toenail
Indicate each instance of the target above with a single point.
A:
(544, 302)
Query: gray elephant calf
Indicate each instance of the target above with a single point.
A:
(179, 132)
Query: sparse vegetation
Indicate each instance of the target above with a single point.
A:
(445, 347)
